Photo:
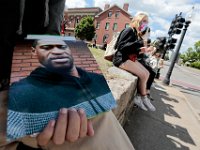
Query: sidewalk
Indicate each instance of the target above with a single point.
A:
(173, 126)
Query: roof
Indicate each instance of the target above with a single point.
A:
(111, 8)
(88, 9)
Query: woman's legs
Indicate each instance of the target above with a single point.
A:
(143, 75)
(137, 69)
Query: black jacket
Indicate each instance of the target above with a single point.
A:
(127, 43)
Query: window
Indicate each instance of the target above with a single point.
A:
(95, 36)
(117, 14)
(105, 37)
(107, 25)
(109, 13)
(126, 25)
(69, 34)
(98, 25)
(77, 20)
(114, 26)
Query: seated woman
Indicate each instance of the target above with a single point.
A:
(129, 46)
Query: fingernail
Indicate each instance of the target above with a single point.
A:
(81, 111)
(73, 109)
(63, 111)
(52, 124)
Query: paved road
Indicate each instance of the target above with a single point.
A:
(172, 126)
(187, 80)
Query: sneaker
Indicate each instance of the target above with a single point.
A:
(139, 103)
(149, 97)
(148, 104)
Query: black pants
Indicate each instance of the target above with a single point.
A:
(21, 146)
(152, 74)
(9, 14)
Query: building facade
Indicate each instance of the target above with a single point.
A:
(74, 15)
(107, 22)
(113, 19)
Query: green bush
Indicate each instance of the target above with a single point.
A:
(85, 28)
(195, 64)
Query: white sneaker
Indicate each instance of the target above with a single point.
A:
(139, 103)
(147, 103)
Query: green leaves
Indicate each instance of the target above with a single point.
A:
(192, 54)
(85, 29)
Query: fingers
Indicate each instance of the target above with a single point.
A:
(61, 126)
(44, 137)
(142, 49)
(83, 123)
(70, 126)
(90, 130)
(73, 129)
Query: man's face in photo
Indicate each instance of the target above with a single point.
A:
(55, 55)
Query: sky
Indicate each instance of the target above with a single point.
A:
(161, 13)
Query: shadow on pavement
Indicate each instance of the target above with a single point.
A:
(149, 130)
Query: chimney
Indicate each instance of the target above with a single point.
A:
(106, 6)
(126, 5)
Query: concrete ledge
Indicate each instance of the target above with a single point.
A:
(123, 86)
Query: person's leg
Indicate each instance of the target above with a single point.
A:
(143, 75)
(145, 99)
(152, 75)
(137, 69)
(56, 11)
(8, 26)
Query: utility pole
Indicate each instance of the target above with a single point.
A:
(174, 58)
(179, 23)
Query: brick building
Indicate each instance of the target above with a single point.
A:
(24, 62)
(74, 15)
(107, 22)
(112, 19)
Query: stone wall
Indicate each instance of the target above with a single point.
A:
(123, 86)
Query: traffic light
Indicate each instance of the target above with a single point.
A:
(170, 44)
(160, 43)
(176, 25)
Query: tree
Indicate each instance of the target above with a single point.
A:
(197, 46)
(192, 54)
(85, 29)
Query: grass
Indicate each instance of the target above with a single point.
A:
(99, 56)
(103, 63)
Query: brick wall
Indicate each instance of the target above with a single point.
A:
(24, 62)
(103, 18)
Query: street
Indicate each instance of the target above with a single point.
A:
(175, 124)
(187, 81)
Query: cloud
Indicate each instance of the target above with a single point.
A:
(161, 14)
(75, 3)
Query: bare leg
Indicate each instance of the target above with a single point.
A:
(137, 69)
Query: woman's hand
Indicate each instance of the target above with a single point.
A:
(147, 49)
(70, 126)
(143, 50)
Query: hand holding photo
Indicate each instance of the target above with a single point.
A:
(57, 83)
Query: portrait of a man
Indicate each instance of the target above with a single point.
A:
(56, 83)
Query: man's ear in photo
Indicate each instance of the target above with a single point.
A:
(33, 51)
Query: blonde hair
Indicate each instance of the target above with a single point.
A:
(139, 16)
